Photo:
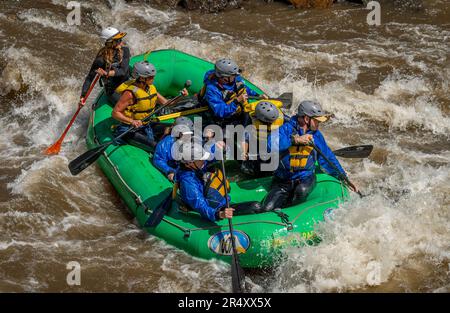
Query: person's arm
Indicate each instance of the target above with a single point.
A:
(161, 99)
(280, 140)
(192, 195)
(90, 76)
(249, 91)
(161, 157)
(216, 103)
(244, 147)
(118, 112)
(321, 144)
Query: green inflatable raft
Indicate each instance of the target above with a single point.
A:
(259, 237)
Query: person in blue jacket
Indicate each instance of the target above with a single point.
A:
(200, 189)
(224, 91)
(295, 176)
(162, 158)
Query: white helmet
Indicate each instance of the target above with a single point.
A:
(110, 33)
(186, 152)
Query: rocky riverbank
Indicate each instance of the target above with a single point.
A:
(213, 6)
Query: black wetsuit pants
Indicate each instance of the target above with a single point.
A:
(287, 193)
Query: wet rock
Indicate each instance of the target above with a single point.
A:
(210, 6)
(411, 4)
(321, 4)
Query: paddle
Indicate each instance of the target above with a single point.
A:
(286, 98)
(181, 113)
(81, 162)
(362, 151)
(341, 175)
(237, 273)
(161, 210)
(56, 147)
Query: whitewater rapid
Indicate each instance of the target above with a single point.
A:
(388, 87)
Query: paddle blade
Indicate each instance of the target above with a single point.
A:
(362, 151)
(53, 149)
(237, 275)
(159, 212)
(80, 163)
(287, 99)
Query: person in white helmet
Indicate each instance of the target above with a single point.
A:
(111, 62)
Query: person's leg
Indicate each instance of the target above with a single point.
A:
(150, 137)
(249, 207)
(277, 196)
(120, 129)
(303, 188)
(142, 136)
(249, 167)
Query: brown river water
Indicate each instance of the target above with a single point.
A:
(387, 85)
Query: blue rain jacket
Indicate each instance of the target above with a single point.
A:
(282, 143)
(192, 193)
(162, 157)
(213, 95)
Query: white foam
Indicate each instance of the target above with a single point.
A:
(32, 178)
(374, 236)
(47, 19)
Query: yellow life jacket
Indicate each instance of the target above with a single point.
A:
(298, 157)
(263, 132)
(144, 101)
(215, 181)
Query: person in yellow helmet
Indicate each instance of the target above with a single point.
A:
(111, 63)
(138, 100)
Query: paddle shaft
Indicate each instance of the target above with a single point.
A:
(236, 279)
(131, 129)
(181, 113)
(168, 103)
(259, 98)
(91, 87)
(60, 140)
(341, 175)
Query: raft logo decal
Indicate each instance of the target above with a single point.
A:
(220, 243)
